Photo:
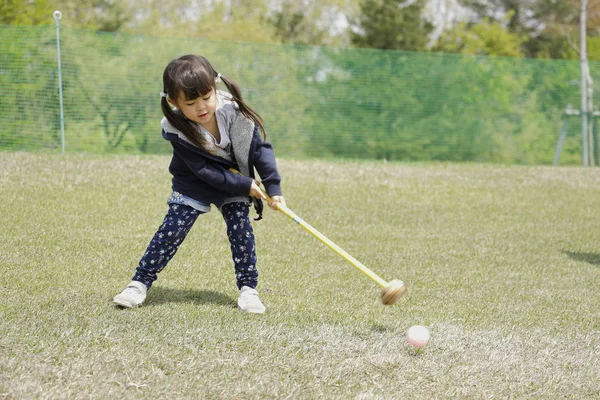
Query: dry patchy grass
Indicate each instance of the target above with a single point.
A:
(502, 264)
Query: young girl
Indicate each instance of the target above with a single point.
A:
(217, 145)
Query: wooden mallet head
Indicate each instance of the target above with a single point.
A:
(391, 292)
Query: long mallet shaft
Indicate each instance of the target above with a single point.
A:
(360, 266)
(390, 291)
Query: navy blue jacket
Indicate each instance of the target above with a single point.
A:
(208, 179)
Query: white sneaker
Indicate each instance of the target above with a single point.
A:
(249, 301)
(132, 296)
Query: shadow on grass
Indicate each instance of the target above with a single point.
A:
(159, 295)
(592, 258)
(379, 328)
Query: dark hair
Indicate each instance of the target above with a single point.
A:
(194, 76)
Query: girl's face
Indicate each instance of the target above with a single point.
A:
(200, 109)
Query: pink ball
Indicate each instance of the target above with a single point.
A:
(418, 335)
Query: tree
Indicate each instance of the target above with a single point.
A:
(392, 24)
(23, 12)
(546, 24)
(567, 32)
(236, 20)
(483, 38)
(528, 17)
(27, 73)
(310, 22)
(102, 15)
(294, 27)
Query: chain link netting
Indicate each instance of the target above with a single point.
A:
(316, 101)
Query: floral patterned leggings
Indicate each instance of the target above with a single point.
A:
(175, 227)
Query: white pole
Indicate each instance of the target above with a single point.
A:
(590, 89)
(584, 76)
(57, 16)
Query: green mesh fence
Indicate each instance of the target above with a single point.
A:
(316, 101)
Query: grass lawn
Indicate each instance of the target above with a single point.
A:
(502, 263)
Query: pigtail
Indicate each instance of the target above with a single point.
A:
(236, 94)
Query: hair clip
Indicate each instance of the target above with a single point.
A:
(163, 94)
(218, 78)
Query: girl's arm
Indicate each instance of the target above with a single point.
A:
(264, 162)
(214, 174)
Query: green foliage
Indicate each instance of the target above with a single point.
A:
(593, 49)
(25, 12)
(484, 38)
(28, 77)
(293, 26)
(542, 25)
(525, 17)
(114, 91)
(425, 106)
(316, 101)
(103, 15)
(549, 45)
(234, 21)
(391, 24)
(321, 23)
(260, 21)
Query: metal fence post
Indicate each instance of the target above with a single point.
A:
(57, 16)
